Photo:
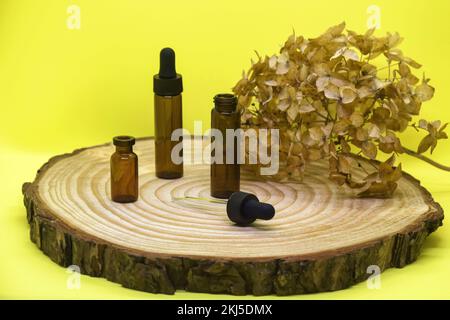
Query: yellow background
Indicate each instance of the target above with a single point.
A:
(61, 89)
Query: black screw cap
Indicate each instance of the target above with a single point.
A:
(244, 208)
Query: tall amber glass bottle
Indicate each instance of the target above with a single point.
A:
(124, 171)
(167, 85)
(225, 177)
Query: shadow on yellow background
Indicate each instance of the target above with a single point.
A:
(63, 88)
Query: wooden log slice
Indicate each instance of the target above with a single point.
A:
(321, 238)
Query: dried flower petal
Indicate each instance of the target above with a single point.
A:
(426, 143)
(322, 83)
(316, 133)
(364, 92)
(424, 92)
(357, 119)
(346, 53)
(373, 130)
(306, 108)
(344, 164)
(293, 111)
(332, 92)
(283, 105)
(369, 149)
(348, 94)
(272, 83)
(273, 62)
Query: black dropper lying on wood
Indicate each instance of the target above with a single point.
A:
(242, 208)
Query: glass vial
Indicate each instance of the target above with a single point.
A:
(167, 85)
(225, 177)
(124, 171)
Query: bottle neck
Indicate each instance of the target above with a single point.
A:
(225, 108)
(128, 149)
(225, 103)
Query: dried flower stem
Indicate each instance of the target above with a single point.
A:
(426, 159)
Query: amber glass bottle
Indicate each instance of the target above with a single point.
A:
(225, 177)
(124, 171)
(167, 85)
(168, 117)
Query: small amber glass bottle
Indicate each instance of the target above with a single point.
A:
(124, 171)
(225, 177)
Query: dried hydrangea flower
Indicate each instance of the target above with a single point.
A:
(340, 96)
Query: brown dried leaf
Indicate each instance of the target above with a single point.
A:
(344, 163)
(369, 149)
(396, 174)
(314, 154)
(379, 190)
(364, 92)
(426, 143)
(345, 146)
(336, 30)
(357, 119)
(341, 126)
(391, 160)
(338, 178)
(361, 134)
(316, 133)
(373, 131)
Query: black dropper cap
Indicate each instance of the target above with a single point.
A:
(244, 208)
(167, 82)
